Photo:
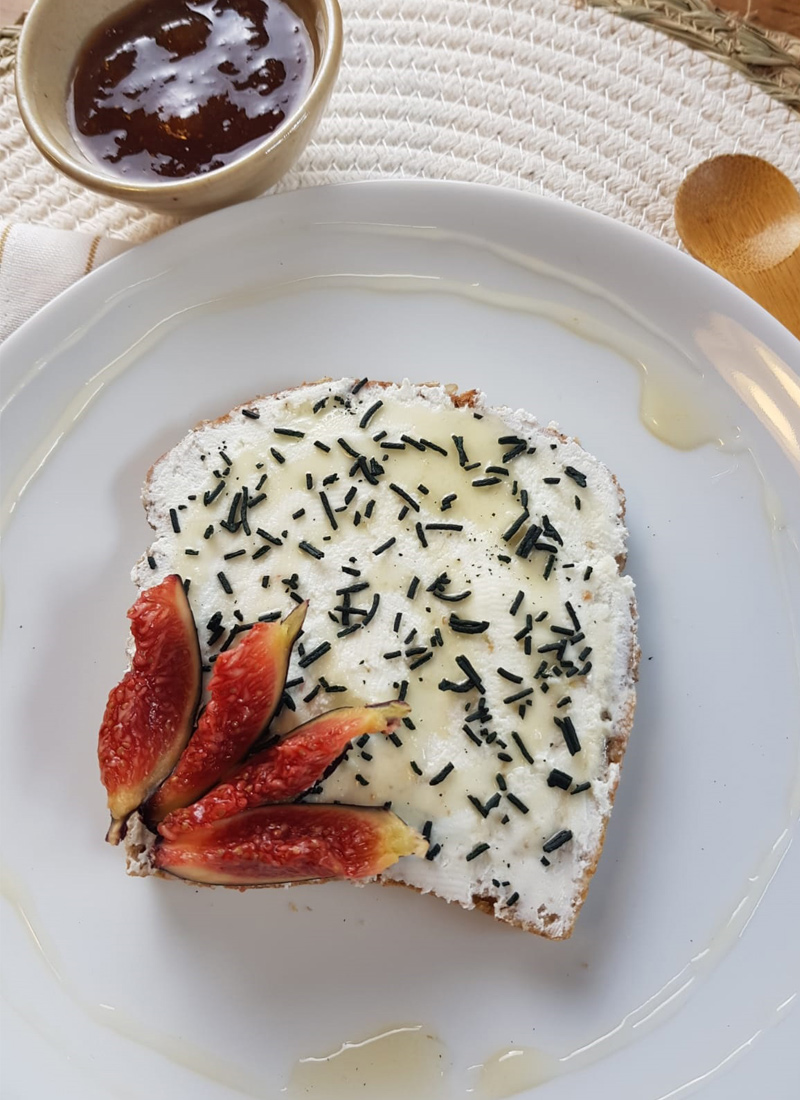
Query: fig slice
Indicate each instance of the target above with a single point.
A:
(295, 842)
(245, 687)
(150, 713)
(281, 772)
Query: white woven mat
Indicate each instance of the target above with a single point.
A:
(531, 94)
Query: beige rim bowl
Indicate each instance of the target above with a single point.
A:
(51, 39)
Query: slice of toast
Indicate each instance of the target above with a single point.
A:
(456, 555)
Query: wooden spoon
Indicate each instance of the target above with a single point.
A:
(741, 216)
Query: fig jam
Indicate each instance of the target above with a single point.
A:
(175, 88)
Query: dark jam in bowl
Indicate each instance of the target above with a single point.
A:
(174, 88)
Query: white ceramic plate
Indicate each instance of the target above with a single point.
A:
(682, 973)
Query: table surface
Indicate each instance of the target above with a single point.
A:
(777, 15)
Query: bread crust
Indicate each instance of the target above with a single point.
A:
(553, 925)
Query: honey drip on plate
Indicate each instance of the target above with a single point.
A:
(398, 1064)
(514, 1070)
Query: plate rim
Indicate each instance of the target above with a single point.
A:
(759, 323)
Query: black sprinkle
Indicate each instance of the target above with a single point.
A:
(577, 502)
(412, 442)
(234, 554)
(420, 661)
(551, 480)
(465, 666)
(433, 852)
(360, 779)
(421, 535)
(557, 778)
(576, 475)
(359, 385)
(276, 454)
(442, 775)
(323, 496)
(571, 739)
(444, 527)
(173, 515)
(500, 779)
(151, 561)
(479, 806)
(209, 497)
(517, 601)
(384, 546)
(513, 899)
(521, 746)
(462, 454)
(450, 685)
(448, 500)
(545, 861)
(472, 736)
(514, 452)
(311, 550)
(347, 448)
(479, 849)
(322, 446)
(416, 769)
(580, 788)
(452, 599)
(251, 414)
(515, 526)
(314, 655)
(509, 676)
(402, 493)
(467, 626)
(270, 538)
(587, 572)
(412, 588)
(509, 699)
(557, 840)
(479, 482)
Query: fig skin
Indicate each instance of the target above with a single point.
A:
(245, 687)
(281, 772)
(296, 842)
(149, 714)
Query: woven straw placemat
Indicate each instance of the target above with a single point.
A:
(566, 101)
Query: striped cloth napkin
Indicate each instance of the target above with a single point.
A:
(36, 263)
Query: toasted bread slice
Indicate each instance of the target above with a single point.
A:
(459, 556)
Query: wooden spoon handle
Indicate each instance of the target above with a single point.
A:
(777, 289)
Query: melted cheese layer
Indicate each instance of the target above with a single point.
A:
(346, 511)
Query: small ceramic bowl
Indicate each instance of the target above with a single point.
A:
(51, 40)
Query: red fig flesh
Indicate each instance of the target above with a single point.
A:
(283, 771)
(290, 843)
(246, 686)
(149, 714)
